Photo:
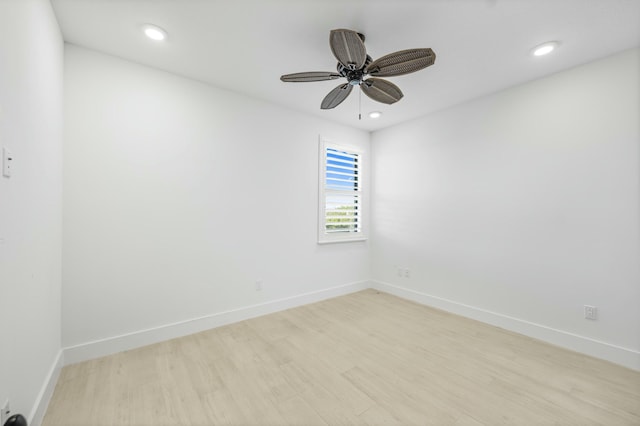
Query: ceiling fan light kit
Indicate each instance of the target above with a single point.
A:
(355, 65)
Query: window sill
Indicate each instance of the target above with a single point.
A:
(342, 240)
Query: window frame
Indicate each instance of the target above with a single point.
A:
(323, 191)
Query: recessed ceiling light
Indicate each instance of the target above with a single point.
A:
(375, 114)
(545, 48)
(154, 32)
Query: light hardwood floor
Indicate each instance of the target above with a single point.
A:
(363, 359)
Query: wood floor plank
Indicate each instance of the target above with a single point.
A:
(296, 411)
(367, 358)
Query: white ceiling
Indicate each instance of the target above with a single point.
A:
(482, 46)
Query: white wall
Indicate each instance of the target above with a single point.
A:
(31, 64)
(179, 196)
(521, 207)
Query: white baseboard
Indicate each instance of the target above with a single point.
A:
(616, 354)
(103, 347)
(95, 349)
(46, 392)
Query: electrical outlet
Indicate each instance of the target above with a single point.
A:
(590, 312)
(398, 271)
(5, 411)
(259, 285)
(407, 273)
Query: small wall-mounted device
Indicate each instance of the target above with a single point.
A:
(16, 420)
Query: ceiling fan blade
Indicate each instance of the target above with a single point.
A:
(348, 48)
(381, 90)
(336, 96)
(402, 62)
(301, 77)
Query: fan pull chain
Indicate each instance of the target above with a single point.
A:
(359, 103)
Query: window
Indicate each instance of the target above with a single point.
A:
(341, 196)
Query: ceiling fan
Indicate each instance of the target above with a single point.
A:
(354, 64)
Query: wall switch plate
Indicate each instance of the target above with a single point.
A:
(7, 158)
(590, 312)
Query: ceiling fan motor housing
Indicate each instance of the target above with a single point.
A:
(354, 77)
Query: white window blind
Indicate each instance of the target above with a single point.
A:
(341, 197)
